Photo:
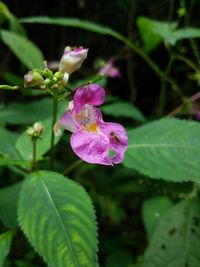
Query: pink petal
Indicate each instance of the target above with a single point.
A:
(90, 147)
(117, 138)
(90, 94)
(88, 115)
(67, 120)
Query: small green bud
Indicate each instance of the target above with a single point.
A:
(33, 78)
(36, 130)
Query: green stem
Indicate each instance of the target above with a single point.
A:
(72, 166)
(55, 110)
(164, 85)
(34, 162)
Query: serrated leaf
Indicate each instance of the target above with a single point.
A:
(176, 241)
(123, 109)
(153, 210)
(25, 147)
(9, 197)
(26, 51)
(168, 149)
(5, 242)
(61, 222)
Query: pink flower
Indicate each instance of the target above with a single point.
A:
(72, 59)
(110, 70)
(93, 139)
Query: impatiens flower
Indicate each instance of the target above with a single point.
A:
(72, 59)
(110, 70)
(93, 140)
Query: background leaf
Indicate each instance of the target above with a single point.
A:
(5, 242)
(176, 241)
(7, 144)
(153, 210)
(72, 22)
(61, 223)
(123, 109)
(167, 148)
(26, 51)
(8, 205)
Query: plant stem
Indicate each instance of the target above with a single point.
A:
(72, 166)
(34, 162)
(55, 110)
(163, 85)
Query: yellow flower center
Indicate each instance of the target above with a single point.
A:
(93, 128)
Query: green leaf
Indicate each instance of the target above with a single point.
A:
(61, 223)
(72, 22)
(168, 149)
(123, 109)
(185, 33)
(5, 242)
(153, 32)
(29, 112)
(153, 210)
(176, 241)
(149, 32)
(14, 24)
(26, 51)
(9, 161)
(25, 147)
(7, 144)
(9, 197)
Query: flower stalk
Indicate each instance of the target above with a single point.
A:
(54, 118)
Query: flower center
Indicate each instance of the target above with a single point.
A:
(88, 119)
(93, 128)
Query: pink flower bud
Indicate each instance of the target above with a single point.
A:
(72, 59)
(32, 79)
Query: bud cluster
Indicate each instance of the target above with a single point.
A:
(71, 61)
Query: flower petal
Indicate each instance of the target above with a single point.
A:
(67, 121)
(90, 94)
(117, 138)
(92, 148)
(72, 59)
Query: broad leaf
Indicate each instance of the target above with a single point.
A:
(29, 112)
(153, 210)
(123, 109)
(25, 147)
(176, 241)
(167, 148)
(5, 242)
(26, 113)
(7, 144)
(26, 51)
(61, 221)
(8, 205)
